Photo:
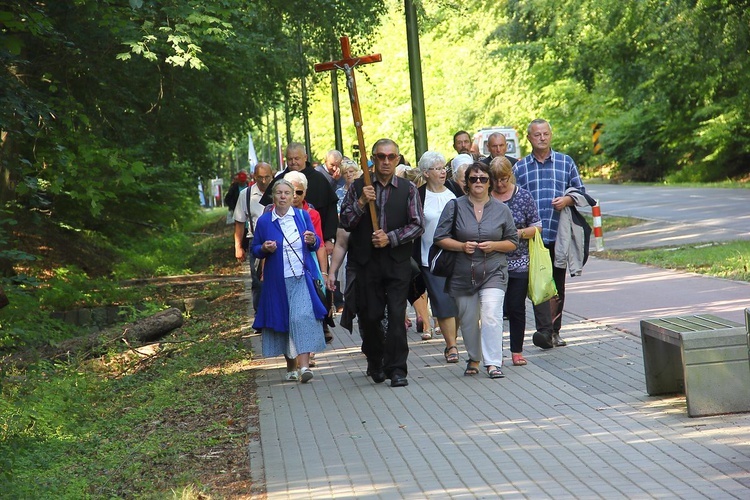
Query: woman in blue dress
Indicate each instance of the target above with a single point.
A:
(285, 239)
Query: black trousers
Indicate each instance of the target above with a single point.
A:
(548, 315)
(382, 283)
(514, 308)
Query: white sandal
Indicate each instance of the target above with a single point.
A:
(427, 334)
(306, 374)
(292, 376)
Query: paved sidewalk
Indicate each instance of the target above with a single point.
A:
(576, 422)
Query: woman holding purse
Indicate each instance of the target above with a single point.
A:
(285, 239)
(484, 234)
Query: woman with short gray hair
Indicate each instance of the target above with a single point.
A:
(435, 196)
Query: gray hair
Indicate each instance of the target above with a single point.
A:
(431, 159)
(335, 153)
(458, 162)
(537, 121)
(381, 142)
(296, 146)
(282, 182)
(458, 173)
(348, 163)
(298, 177)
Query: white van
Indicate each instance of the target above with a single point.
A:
(479, 144)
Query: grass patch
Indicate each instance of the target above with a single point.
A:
(722, 260)
(613, 223)
(166, 420)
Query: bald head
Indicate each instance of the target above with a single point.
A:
(263, 174)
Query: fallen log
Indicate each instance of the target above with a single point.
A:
(90, 346)
(154, 327)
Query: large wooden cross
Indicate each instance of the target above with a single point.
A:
(348, 63)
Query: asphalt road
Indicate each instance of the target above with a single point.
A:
(674, 215)
(620, 294)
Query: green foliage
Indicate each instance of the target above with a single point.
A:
(665, 79)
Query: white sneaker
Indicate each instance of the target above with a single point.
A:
(292, 376)
(306, 374)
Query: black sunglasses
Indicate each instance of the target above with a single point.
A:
(383, 156)
(474, 179)
(299, 192)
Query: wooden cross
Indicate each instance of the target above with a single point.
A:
(348, 63)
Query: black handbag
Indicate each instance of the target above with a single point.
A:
(441, 262)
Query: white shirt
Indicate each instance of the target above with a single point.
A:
(291, 245)
(256, 209)
(433, 208)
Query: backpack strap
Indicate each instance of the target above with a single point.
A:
(247, 212)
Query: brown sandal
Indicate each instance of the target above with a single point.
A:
(518, 359)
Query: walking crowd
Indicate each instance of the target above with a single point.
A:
(320, 240)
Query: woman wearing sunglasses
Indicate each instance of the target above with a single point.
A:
(484, 233)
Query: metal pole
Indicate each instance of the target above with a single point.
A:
(305, 120)
(303, 75)
(287, 116)
(339, 139)
(419, 122)
(277, 142)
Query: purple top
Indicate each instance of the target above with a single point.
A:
(523, 208)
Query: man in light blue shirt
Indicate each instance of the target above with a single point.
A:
(547, 174)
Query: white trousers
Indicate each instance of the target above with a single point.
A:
(481, 318)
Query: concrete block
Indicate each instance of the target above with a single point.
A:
(703, 356)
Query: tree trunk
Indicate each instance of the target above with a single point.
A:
(154, 327)
(3, 298)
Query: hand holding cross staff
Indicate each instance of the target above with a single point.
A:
(348, 63)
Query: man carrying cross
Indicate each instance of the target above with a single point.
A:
(380, 259)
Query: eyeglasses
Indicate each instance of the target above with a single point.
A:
(383, 156)
(299, 192)
(504, 179)
(474, 179)
(436, 169)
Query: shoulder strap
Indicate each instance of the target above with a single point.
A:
(247, 210)
(455, 214)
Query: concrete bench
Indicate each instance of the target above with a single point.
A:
(704, 357)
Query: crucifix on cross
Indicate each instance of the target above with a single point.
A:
(348, 63)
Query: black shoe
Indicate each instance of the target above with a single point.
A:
(375, 370)
(557, 341)
(543, 340)
(399, 381)
(327, 333)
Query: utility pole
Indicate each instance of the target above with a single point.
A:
(339, 139)
(419, 122)
(277, 142)
(287, 116)
(303, 75)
